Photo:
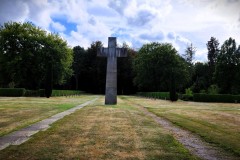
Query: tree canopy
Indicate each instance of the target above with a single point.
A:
(213, 53)
(227, 74)
(90, 70)
(26, 52)
(154, 66)
(32, 58)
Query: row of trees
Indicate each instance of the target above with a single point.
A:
(221, 74)
(32, 58)
(161, 64)
(90, 70)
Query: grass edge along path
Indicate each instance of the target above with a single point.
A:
(192, 142)
(97, 132)
(19, 112)
(24, 134)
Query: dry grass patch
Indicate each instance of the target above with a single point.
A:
(101, 132)
(216, 123)
(16, 113)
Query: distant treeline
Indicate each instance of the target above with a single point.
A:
(20, 92)
(31, 58)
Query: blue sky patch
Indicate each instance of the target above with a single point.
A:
(68, 25)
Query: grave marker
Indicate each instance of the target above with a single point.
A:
(112, 52)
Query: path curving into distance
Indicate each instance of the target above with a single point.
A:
(192, 142)
(24, 134)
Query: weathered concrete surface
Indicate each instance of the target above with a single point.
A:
(21, 136)
(111, 80)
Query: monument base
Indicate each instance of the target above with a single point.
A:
(111, 96)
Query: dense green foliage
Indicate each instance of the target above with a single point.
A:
(188, 96)
(79, 64)
(49, 81)
(200, 97)
(221, 74)
(90, 70)
(200, 77)
(12, 92)
(213, 53)
(165, 95)
(25, 53)
(154, 66)
(173, 92)
(227, 74)
(125, 72)
(189, 54)
(19, 92)
(31, 58)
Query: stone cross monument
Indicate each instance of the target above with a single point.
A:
(111, 80)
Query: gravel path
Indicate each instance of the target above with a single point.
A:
(22, 135)
(191, 141)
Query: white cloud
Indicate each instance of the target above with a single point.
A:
(133, 21)
(201, 55)
(10, 12)
(182, 39)
(77, 39)
(40, 13)
(58, 26)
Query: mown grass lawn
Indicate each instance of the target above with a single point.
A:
(18, 112)
(102, 132)
(217, 123)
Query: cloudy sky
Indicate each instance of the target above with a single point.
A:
(135, 22)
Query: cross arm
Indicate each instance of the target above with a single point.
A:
(102, 52)
(121, 52)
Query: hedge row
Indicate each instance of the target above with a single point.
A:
(197, 97)
(19, 92)
(65, 93)
(12, 92)
(186, 97)
(156, 95)
(35, 93)
(228, 98)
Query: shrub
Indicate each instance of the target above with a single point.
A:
(213, 89)
(228, 98)
(188, 92)
(187, 97)
(18, 92)
(12, 92)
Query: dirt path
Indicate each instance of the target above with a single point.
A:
(22, 135)
(192, 142)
